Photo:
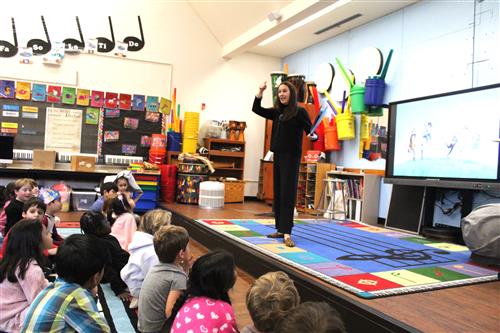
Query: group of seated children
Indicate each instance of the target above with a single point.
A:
(149, 265)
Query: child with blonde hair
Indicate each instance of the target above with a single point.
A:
(142, 252)
(14, 210)
(268, 300)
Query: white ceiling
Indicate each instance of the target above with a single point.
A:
(239, 25)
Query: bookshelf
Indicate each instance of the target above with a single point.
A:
(361, 194)
(310, 185)
(227, 156)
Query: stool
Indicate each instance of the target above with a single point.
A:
(329, 196)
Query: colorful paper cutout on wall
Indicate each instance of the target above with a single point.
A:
(165, 105)
(138, 102)
(39, 93)
(83, 97)
(54, 94)
(7, 89)
(97, 99)
(112, 113)
(111, 101)
(68, 95)
(92, 116)
(125, 101)
(153, 117)
(128, 149)
(145, 141)
(131, 123)
(152, 104)
(23, 90)
(111, 136)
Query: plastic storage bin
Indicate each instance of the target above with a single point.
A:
(82, 200)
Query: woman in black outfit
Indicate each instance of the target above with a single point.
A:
(289, 121)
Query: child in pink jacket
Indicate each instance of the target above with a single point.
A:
(123, 223)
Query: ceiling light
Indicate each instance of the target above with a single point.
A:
(309, 19)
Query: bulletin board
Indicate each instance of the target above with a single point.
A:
(130, 136)
(31, 131)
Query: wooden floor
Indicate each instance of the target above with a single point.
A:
(474, 308)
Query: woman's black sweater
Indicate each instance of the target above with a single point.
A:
(286, 135)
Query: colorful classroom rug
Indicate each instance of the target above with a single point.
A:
(365, 260)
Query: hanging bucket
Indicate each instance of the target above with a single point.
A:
(364, 131)
(358, 99)
(374, 91)
(320, 143)
(375, 111)
(345, 126)
(331, 137)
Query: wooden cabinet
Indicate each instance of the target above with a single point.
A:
(227, 156)
(266, 189)
(310, 186)
(361, 193)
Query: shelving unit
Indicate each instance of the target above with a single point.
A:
(361, 195)
(310, 186)
(227, 156)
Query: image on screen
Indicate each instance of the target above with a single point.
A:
(448, 137)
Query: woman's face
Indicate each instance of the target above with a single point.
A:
(284, 94)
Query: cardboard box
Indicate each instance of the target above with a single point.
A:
(44, 159)
(82, 163)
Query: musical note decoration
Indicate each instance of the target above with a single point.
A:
(104, 45)
(135, 44)
(8, 49)
(72, 45)
(41, 46)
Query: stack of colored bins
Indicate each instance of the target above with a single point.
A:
(158, 149)
(190, 132)
(149, 185)
(168, 182)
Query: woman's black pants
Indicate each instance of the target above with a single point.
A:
(286, 175)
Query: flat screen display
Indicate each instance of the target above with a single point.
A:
(446, 140)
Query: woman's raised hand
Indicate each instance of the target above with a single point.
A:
(262, 87)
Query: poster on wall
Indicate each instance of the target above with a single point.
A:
(63, 130)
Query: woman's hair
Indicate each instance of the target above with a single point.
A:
(93, 223)
(290, 110)
(23, 246)
(212, 276)
(270, 298)
(317, 317)
(154, 219)
(8, 193)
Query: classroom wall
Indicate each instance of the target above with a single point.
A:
(174, 35)
(438, 46)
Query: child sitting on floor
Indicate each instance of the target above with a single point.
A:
(166, 281)
(317, 317)
(206, 301)
(123, 222)
(21, 274)
(268, 300)
(108, 190)
(142, 252)
(14, 210)
(9, 196)
(95, 224)
(52, 199)
(68, 305)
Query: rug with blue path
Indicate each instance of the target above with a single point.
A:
(366, 260)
